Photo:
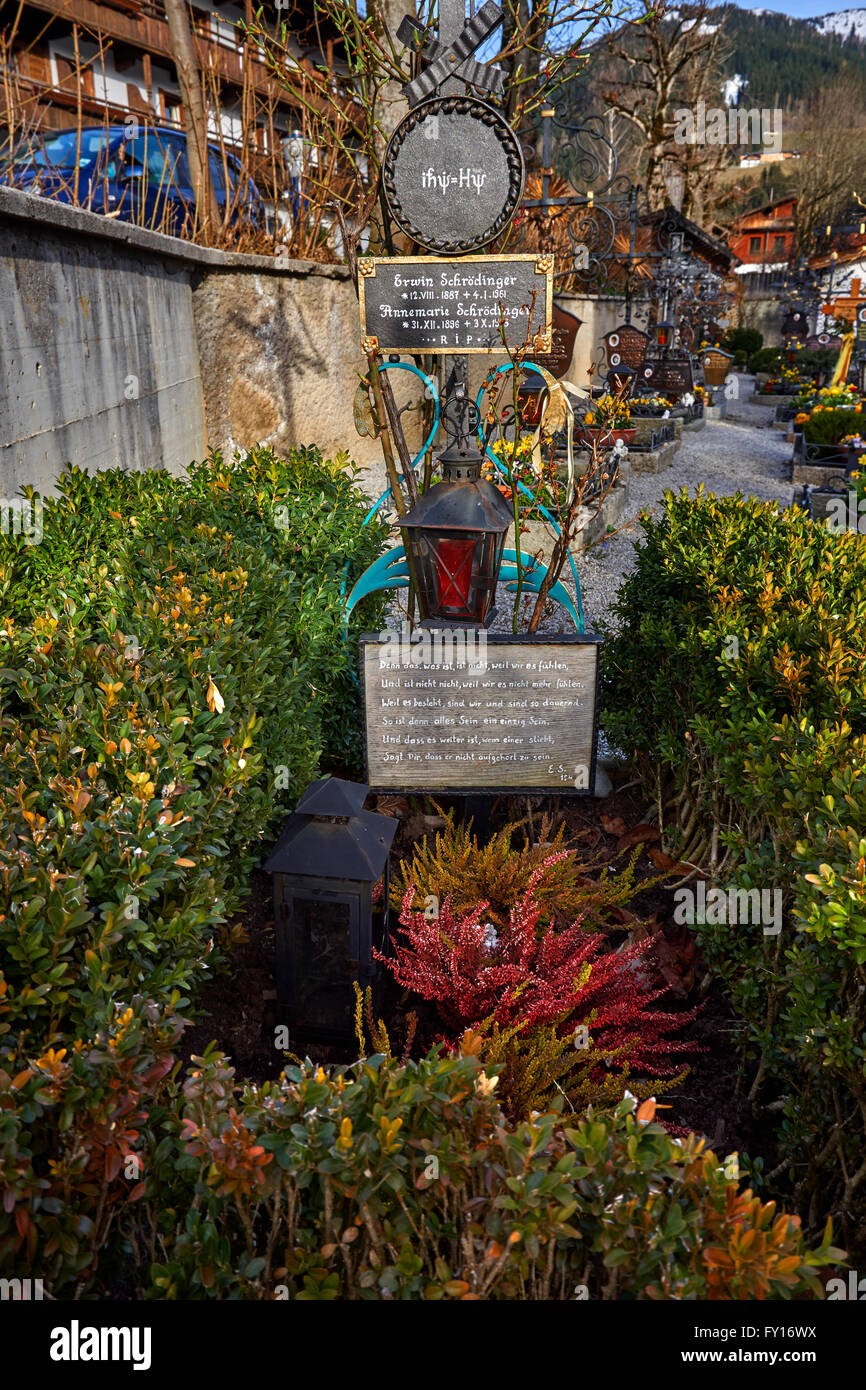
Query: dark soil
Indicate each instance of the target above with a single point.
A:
(239, 1009)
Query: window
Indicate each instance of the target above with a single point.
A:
(755, 245)
(60, 150)
(162, 161)
(778, 246)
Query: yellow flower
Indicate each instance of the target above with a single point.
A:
(52, 1061)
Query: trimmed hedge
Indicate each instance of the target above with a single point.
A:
(388, 1181)
(172, 671)
(737, 683)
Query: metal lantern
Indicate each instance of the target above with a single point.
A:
(665, 334)
(621, 380)
(456, 536)
(325, 865)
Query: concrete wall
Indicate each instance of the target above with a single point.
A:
(98, 356)
(124, 348)
(599, 315)
(764, 312)
(280, 358)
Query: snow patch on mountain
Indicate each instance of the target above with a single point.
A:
(841, 22)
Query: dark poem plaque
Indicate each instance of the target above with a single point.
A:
(794, 325)
(431, 304)
(502, 714)
(453, 174)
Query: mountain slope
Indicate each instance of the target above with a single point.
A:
(787, 59)
(845, 23)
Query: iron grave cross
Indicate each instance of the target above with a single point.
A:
(450, 65)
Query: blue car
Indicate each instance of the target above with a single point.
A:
(142, 178)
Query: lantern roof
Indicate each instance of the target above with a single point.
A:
(329, 836)
(332, 796)
(460, 506)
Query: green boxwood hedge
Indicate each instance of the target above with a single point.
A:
(736, 681)
(172, 672)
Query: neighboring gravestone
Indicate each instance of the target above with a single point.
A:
(425, 304)
(466, 712)
(668, 376)
(563, 338)
(453, 174)
(795, 325)
(626, 347)
(716, 365)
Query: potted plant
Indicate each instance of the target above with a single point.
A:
(827, 432)
(608, 419)
(856, 446)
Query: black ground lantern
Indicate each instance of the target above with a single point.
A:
(325, 865)
(456, 535)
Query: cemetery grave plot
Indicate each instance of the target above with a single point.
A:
(602, 831)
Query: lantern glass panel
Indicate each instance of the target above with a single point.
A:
(457, 573)
(325, 934)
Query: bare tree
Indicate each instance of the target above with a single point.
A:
(662, 59)
(361, 111)
(386, 16)
(195, 120)
(833, 163)
(540, 46)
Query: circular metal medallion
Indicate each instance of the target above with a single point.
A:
(453, 174)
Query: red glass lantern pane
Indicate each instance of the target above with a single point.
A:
(453, 561)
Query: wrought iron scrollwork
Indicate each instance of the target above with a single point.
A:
(593, 153)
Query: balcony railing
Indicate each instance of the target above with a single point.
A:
(141, 25)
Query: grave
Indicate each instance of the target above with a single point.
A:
(459, 708)
(670, 377)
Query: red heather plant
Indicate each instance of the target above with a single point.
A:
(520, 975)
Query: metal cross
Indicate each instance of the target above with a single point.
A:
(449, 56)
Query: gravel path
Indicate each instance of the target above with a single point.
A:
(742, 453)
